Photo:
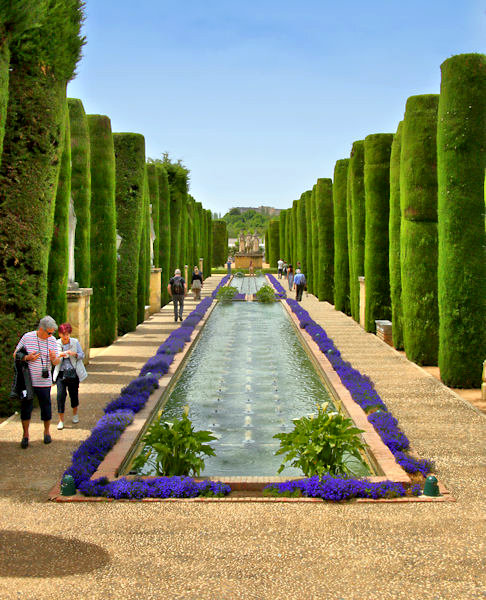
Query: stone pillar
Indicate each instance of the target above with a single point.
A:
(155, 299)
(185, 276)
(483, 385)
(362, 301)
(201, 265)
(78, 302)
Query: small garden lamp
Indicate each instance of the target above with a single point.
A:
(68, 488)
(431, 487)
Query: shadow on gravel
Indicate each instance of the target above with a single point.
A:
(26, 554)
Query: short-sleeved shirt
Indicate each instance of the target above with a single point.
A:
(280, 264)
(299, 279)
(32, 343)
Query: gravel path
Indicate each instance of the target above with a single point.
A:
(250, 550)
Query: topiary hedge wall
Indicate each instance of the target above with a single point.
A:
(164, 231)
(418, 231)
(57, 271)
(461, 144)
(81, 190)
(377, 150)
(341, 262)
(325, 218)
(103, 232)
(220, 243)
(130, 173)
(394, 240)
(42, 60)
(357, 201)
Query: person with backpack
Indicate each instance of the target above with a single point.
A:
(177, 289)
(299, 284)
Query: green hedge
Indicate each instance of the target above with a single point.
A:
(357, 217)
(394, 240)
(377, 194)
(144, 261)
(177, 176)
(103, 232)
(130, 173)
(220, 243)
(81, 190)
(418, 232)
(325, 218)
(282, 235)
(461, 144)
(274, 241)
(153, 187)
(57, 272)
(183, 234)
(302, 235)
(341, 262)
(295, 237)
(309, 273)
(267, 246)
(209, 229)
(164, 231)
(317, 272)
(42, 60)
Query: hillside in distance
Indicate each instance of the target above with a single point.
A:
(249, 219)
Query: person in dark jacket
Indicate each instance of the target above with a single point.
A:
(22, 383)
(196, 283)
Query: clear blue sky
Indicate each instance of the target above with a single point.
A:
(260, 98)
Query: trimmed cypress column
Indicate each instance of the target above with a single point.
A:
(309, 243)
(164, 231)
(81, 190)
(209, 261)
(220, 243)
(57, 272)
(178, 190)
(267, 246)
(317, 273)
(103, 307)
(418, 232)
(341, 262)
(302, 235)
(144, 266)
(357, 200)
(153, 187)
(295, 240)
(281, 235)
(42, 60)
(325, 223)
(394, 240)
(274, 241)
(130, 173)
(461, 159)
(377, 193)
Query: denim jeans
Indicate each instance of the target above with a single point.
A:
(178, 301)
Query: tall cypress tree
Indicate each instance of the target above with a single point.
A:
(377, 193)
(177, 175)
(316, 266)
(130, 173)
(144, 266)
(295, 237)
(57, 272)
(81, 190)
(103, 232)
(394, 240)
(209, 262)
(309, 273)
(220, 243)
(267, 246)
(341, 262)
(325, 223)
(164, 231)
(461, 154)
(356, 182)
(418, 231)
(274, 241)
(281, 234)
(153, 188)
(42, 61)
(302, 235)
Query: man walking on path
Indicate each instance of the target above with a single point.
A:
(41, 349)
(280, 265)
(177, 288)
(299, 284)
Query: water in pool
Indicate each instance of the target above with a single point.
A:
(246, 379)
(248, 285)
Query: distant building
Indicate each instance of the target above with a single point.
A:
(263, 210)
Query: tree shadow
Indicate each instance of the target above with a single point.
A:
(27, 554)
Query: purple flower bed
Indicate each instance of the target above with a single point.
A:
(363, 393)
(336, 489)
(119, 414)
(281, 293)
(239, 297)
(160, 487)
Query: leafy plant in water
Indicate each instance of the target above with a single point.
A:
(266, 294)
(176, 447)
(318, 444)
(226, 294)
(239, 274)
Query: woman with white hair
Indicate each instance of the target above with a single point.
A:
(39, 349)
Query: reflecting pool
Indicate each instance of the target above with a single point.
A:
(245, 380)
(249, 285)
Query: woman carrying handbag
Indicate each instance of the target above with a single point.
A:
(69, 372)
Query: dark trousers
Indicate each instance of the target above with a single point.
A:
(298, 293)
(178, 302)
(62, 388)
(44, 396)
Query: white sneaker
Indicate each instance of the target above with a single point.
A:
(60, 425)
(75, 419)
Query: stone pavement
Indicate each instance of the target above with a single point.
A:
(250, 550)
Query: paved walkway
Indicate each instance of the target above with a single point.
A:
(253, 551)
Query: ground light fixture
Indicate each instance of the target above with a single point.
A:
(68, 488)
(431, 487)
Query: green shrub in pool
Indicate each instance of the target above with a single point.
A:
(266, 294)
(226, 294)
(175, 447)
(239, 274)
(319, 442)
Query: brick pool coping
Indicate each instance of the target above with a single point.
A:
(117, 456)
